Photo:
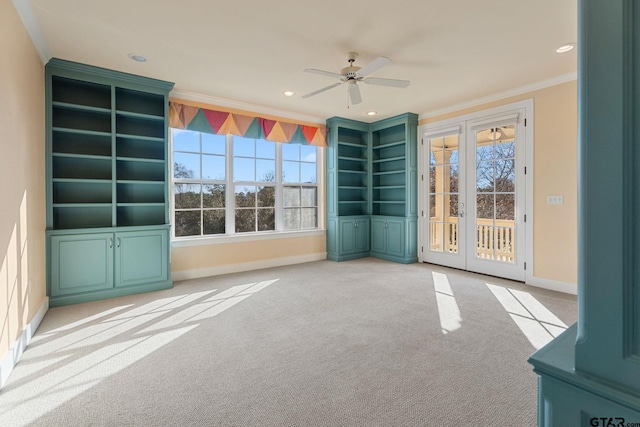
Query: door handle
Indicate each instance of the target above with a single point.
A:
(110, 242)
(118, 242)
(461, 210)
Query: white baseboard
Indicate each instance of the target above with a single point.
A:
(12, 356)
(245, 266)
(554, 285)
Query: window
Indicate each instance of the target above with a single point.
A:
(226, 185)
(300, 193)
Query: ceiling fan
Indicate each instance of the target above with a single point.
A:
(352, 74)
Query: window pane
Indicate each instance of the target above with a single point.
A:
(186, 140)
(290, 171)
(292, 219)
(265, 149)
(308, 153)
(245, 220)
(213, 221)
(308, 172)
(213, 167)
(266, 219)
(291, 152)
(187, 223)
(267, 197)
(309, 217)
(245, 196)
(266, 170)
(484, 152)
(244, 169)
(186, 165)
(213, 196)
(291, 196)
(309, 196)
(244, 147)
(187, 196)
(214, 144)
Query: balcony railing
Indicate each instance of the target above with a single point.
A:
(494, 240)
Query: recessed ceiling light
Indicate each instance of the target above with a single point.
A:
(288, 93)
(137, 58)
(371, 113)
(566, 48)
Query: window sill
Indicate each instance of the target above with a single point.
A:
(182, 242)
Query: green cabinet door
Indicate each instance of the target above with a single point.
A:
(141, 257)
(81, 263)
(395, 237)
(362, 235)
(378, 235)
(347, 236)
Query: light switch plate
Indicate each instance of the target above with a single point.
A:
(555, 200)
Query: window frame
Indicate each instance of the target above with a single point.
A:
(230, 234)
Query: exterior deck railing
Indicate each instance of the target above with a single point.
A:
(494, 239)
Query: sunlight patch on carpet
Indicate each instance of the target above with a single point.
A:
(535, 321)
(450, 319)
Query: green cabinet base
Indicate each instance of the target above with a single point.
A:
(348, 237)
(394, 238)
(93, 264)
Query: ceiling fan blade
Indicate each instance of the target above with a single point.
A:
(321, 90)
(354, 93)
(386, 82)
(322, 73)
(374, 65)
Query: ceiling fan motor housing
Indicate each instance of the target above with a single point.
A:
(350, 73)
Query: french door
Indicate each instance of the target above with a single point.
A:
(474, 195)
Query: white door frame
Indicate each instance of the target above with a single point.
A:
(525, 119)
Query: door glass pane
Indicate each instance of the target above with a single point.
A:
(435, 236)
(505, 208)
(443, 194)
(484, 176)
(505, 176)
(453, 178)
(495, 198)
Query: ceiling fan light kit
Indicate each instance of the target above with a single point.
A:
(353, 74)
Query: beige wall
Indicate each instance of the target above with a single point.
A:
(22, 182)
(555, 244)
(228, 254)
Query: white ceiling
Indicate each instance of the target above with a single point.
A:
(245, 53)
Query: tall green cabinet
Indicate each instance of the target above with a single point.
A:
(107, 183)
(372, 189)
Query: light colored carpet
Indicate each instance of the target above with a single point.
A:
(356, 343)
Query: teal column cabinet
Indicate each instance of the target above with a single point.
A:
(348, 192)
(372, 189)
(394, 184)
(590, 374)
(107, 180)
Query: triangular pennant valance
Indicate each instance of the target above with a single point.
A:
(183, 116)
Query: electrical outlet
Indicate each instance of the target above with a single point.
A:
(555, 200)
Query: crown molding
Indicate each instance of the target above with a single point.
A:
(502, 95)
(25, 12)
